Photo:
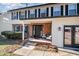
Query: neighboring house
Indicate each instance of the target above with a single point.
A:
(60, 20)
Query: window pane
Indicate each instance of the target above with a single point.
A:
(22, 15)
(43, 13)
(26, 29)
(72, 9)
(32, 14)
(67, 36)
(57, 11)
(17, 28)
(77, 35)
(71, 6)
(57, 8)
(72, 12)
(14, 15)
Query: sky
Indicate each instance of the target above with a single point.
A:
(8, 6)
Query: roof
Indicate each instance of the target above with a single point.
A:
(32, 6)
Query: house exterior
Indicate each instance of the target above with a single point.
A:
(60, 20)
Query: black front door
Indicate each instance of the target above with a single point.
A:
(71, 36)
(37, 31)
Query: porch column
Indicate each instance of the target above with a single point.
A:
(23, 32)
(30, 30)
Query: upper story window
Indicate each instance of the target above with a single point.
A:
(56, 11)
(72, 9)
(43, 13)
(14, 15)
(32, 13)
(22, 15)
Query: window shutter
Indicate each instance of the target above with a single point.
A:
(17, 15)
(47, 12)
(78, 8)
(61, 10)
(35, 13)
(38, 12)
(66, 10)
(51, 11)
(25, 14)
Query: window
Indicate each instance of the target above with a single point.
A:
(43, 13)
(26, 29)
(22, 15)
(32, 13)
(72, 9)
(17, 28)
(56, 11)
(14, 15)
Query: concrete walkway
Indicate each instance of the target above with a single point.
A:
(28, 50)
(24, 51)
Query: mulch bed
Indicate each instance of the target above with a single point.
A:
(8, 51)
(46, 47)
(13, 45)
(11, 49)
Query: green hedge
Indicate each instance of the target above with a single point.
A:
(12, 35)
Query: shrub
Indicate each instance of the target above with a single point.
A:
(12, 35)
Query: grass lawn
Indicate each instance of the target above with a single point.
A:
(8, 45)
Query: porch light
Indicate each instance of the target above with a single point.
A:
(59, 28)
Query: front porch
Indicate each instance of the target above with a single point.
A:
(37, 31)
(40, 31)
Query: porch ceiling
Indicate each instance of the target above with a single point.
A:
(38, 21)
(31, 21)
